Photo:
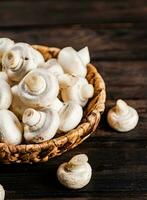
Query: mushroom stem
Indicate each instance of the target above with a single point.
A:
(31, 117)
(35, 83)
(65, 80)
(121, 107)
(76, 162)
(13, 58)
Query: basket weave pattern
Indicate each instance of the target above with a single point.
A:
(29, 153)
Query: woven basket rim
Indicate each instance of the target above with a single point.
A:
(91, 117)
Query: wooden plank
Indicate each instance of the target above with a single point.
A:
(109, 196)
(126, 80)
(104, 44)
(129, 73)
(21, 13)
(100, 196)
(126, 92)
(117, 167)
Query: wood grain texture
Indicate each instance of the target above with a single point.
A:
(122, 38)
(20, 13)
(126, 80)
(117, 167)
(103, 197)
(104, 44)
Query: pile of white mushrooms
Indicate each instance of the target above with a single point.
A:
(38, 98)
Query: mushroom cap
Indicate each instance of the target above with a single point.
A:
(87, 91)
(5, 95)
(4, 76)
(70, 116)
(79, 91)
(53, 67)
(84, 55)
(19, 60)
(2, 193)
(122, 117)
(56, 105)
(71, 63)
(38, 89)
(66, 80)
(10, 128)
(40, 125)
(5, 44)
(17, 106)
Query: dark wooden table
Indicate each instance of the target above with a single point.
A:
(116, 34)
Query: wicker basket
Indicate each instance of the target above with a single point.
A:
(30, 153)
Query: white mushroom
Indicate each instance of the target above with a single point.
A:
(53, 67)
(10, 128)
(66, 80)
(84, 55)
(38, 89)
(76, 173)
(40, 125)
(4, 76)
(5, 95)
(19, 60)
(56, 105)
(2, 193)
(71, 62)
(70, 116)
(5, 45)
(76, 89)
(17, 106)
(122, 117)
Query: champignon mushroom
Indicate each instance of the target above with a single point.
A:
(76, 173)
(4, 76)
(10, 128)
(38, 88)
(5, 45)
(19, 60)
(56, 105)
(76, 89)
(122, 117)
(70, 116)
(40, 125)
(17, 106)
(53, 67)
(2, 193)
(5, 95)
(71, 62)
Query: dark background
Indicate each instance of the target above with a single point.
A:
(116, 33)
